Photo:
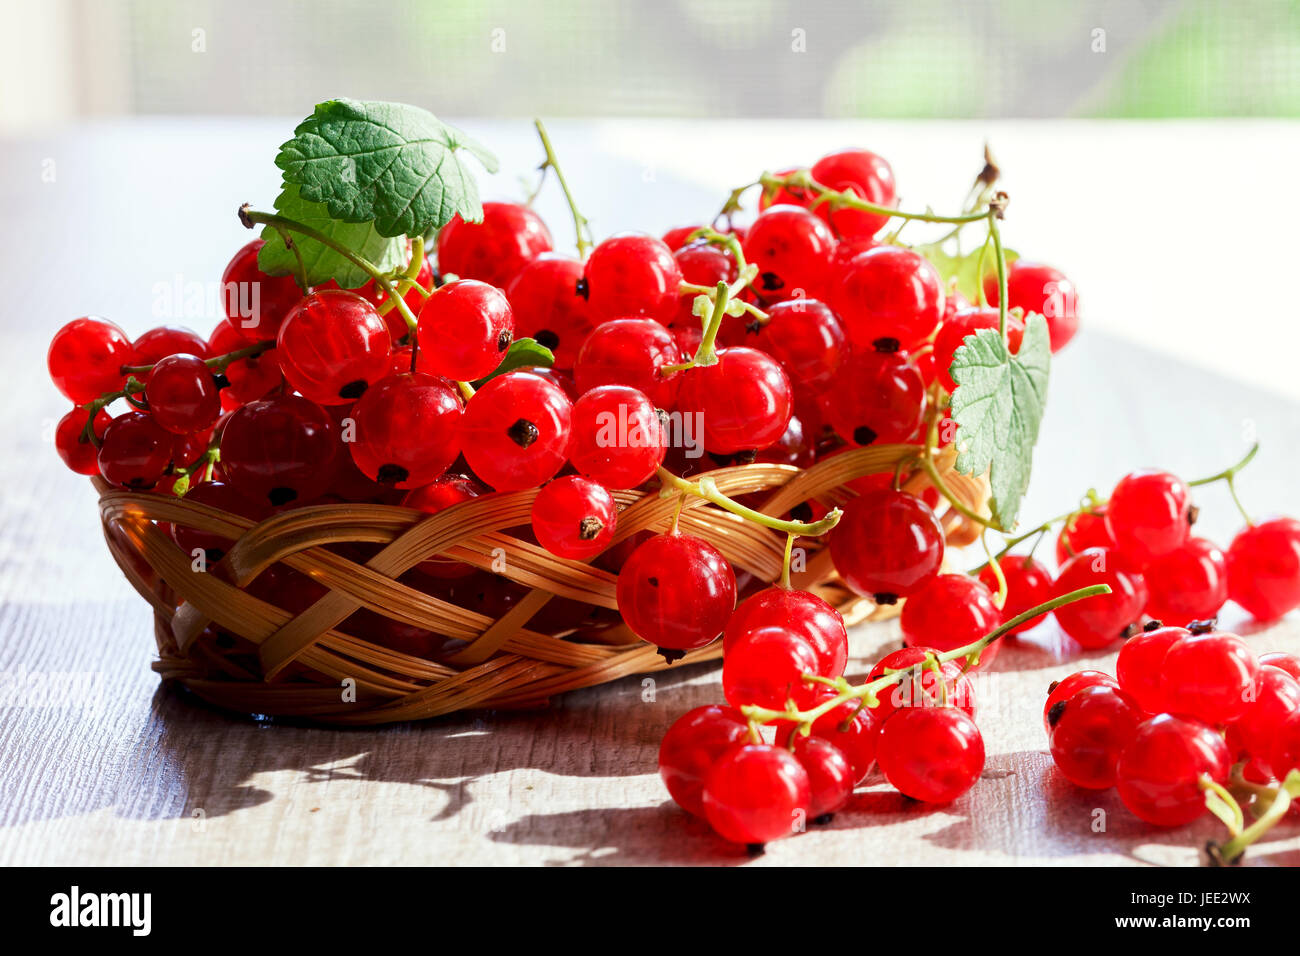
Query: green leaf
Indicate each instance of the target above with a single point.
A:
(966, 269)
(397, 166)
(522, 354)
(321, 261)
(998, 407)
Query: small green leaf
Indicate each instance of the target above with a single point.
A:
(966, 269)
(998, 407)
(321, 261)
(523, 353)
(395, 165)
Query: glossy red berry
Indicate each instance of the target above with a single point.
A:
(676, 591)
(1139, 665)
(617, 438)
(631, 352)
(438, 495)
(574, 517)
(830, 775)
(182, 394)
(279, 450)
(952, 335)
(850, 727)
(1089, 731)
(1083, 531)
(250, 378)
(951, 611)
(1102, 619)
(766, 668)
(890, 293)
(407, 429)
(1158, 773)
(548, 307)
(86, 357)
(757, 793)
(877, 398)
(495, 250)
(679, 236)
(1264, 568)
(692, 746)
(932, 754)
(802, 613)
(333, 346)
(1210, 676)
(863, 174)
(1284, 755)
(136, 451)
(77, 452)
(515, 432)
(632, 275)
(1282, 661)
(1042, 289)
(1149, 514)
(1189, 583)
(949, 687)
(467, 327)
(256, 304)
(806, 337)
(887, 545)
(745, 400)
(167, 340)
(1029, 584)
(1276, 697)
(792, 249)
(223, 497)
(1063, 690)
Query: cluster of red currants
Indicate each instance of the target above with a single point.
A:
(1185, 706)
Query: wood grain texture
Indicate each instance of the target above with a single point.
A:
(118, 770)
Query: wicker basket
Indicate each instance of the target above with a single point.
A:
(245, 654)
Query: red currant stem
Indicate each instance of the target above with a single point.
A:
(1229, 477)
(785, 561)
(928, 466)
(802, 179)
(466, 389)
(1277, 808)
(867, 692)
(995, 213)
(297, 254)
(408, 277)
(706, 353)
(581, 227)
(131, 387)
(733, 201)
(250, 217)
(1222, 804)
(707, 489)
(687, 288)
(1000, 599)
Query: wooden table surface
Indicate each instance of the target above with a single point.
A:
(104, 766)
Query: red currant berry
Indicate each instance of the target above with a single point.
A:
(332, 346)
(766, 668)
(679, 236)
(1159, 772)
(1264, 568)
(887, 545)
(494, 250)
(756, 793)
(850, 727)
(86, 357)
(618, 439)
(223, 497)
(1190, 583)
(169, 340)
(516, 431)
(468, 327)
(1085, 530)
(1284, 756)
(933, 754)
(1029, 584)
(1149, 514)
(878, 397)
(692, 746)
(1041, 289)
(632, 275)
(676, 591)
(806, 338)
(250, 378)
(1097, 621)
(1088, 732)
(434, 497)
(136, 451)
(1063, 690)
(256, 303)
(279, 450)
(1209, 676)
(548, 308)
(951, 611)
(862, 174)
(803, 614)
(77, 452)
(1139, 665)
(182, 394)
(631, 352)
(954, 331)
(889, 293)
(745, 400)
(792, 249)
(1276, 697)
(923, 688)
(1282, 661)
(407, 429)
(574, 517)
(830, 776)
(703, 263)
(792, 448)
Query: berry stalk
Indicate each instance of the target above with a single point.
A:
(707, 489)
(581, 227)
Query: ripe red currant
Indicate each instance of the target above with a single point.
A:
(631, 352)
(1089, 730)
(745, 400)
(1041, 289)
(803, 614)
(434, 497)
(332, 346)
(889, 293)
(676, 591)
(1158, 774)
(516, 431)
(630, 275)
(863, 174)
(830, 776)
(407, 429)
(951, 611)
(167, 340)
(1210, 676)
(851, 727)
(548, 308)
(888, 544)
(86, 357)
(1282, 661)
(468, 327)
(136, 451)
(223, 497)
(1264, 568)
(1190, 583)
(756, 793)
(1063, 690)
(618, 438)
(1102, 619)
(1029, 584)
(1276, 697)
(877, 397)
(1149, 514)
(250, 378)
(948, 687)
(933, 754)
(766, 666)
(692, 746)
(495, 250)
(1139, 665)
(792, 249)
(574, 517)
(279, 450)
(256, 303)
(1284, 755)
(77, 452)
(1085, 530)
(806, 338)
(182, 394)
